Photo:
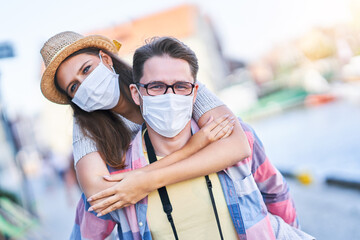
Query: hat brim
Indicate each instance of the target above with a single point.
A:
(47, 81)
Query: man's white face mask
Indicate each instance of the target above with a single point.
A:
(167, 114)
(99, 90)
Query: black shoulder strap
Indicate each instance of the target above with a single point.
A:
(162, 191)
(165, 197)
(209, 185)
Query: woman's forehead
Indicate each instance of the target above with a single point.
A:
(76, 62)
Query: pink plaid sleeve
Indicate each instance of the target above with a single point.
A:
(88, 226)
(271, 183)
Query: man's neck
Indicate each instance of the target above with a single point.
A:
(130, 111)
(164, 146)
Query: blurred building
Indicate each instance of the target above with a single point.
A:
(184, 22)
(187, 23)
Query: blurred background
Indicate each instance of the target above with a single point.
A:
(289, 68)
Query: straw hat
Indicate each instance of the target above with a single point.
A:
(58, 48)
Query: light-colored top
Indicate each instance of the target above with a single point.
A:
(83, 145)
(193, 213)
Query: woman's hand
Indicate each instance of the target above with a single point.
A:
(212, 131)
(132, 186)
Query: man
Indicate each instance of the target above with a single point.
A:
(232, 204)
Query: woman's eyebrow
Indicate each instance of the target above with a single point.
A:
(82, 66)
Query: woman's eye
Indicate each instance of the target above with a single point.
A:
(73, 87)
(86, 69)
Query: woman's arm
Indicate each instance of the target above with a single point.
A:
(215, 157)
(89, 165)
(91, 168)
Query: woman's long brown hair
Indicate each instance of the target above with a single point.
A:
(104, 127)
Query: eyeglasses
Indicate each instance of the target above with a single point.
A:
(159, 88)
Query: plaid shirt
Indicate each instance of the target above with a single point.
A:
(252, 188)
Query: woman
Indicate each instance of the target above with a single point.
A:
(105, 119)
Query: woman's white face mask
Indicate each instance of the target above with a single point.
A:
(99, 91)
(167, 114)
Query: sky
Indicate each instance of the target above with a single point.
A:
(246, 30)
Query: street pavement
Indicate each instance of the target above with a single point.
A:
(327, 212)
(56, 210)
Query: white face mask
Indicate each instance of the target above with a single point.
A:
(99, 90)
(167, 114)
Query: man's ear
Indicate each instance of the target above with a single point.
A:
(134, 94)
(107, 60)
(195, 91)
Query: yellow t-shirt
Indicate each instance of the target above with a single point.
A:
(193, 213)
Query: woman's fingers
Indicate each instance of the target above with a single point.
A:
(224, 129)
(212, 123)
(114, 177)
(103, 194)
(104, 204)
(216, 129)
(111, 208)
(228, 132)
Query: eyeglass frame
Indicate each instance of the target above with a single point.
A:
(167, 87)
